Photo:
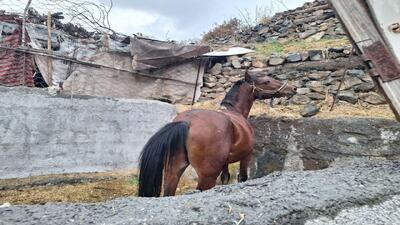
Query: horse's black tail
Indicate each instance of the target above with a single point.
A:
(163, 144)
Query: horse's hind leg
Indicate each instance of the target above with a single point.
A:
(173, 172)
(244, 164)
(225, 176)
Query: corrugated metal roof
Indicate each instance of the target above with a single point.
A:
(16, 68)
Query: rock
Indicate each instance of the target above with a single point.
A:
(234, 79)
(309, 110)
(372, 98)
(300, 100)
(236, 64)
(349, 82)
(303, 91)
(315, 55)
(229, 71)
(210, 79)
(364, 87)
(318, 12)
(227, 64)
(275, 61)
(209, 84)
(222, 80)
(260, 39)
(356, 73)
(220, 89)
(206, 90)
(259, 63)
(348, 96)
(329, 81)
(323, 27)
(213, 95)
(247, 64)
(316, 37)
(319, 89)
(307, 33)
(295, 57)
(314, 83)
(282, 77)
(283, 30)
(264, 30)
(321, 142)
(317, 76)
(304, 56)
(338, 73)
(227, 85)
(216, 69)
(316, 96)
(340, 31)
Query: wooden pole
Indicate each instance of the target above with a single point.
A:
(49, 60)
(197, 80)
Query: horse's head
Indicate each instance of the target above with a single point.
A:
(267, 87)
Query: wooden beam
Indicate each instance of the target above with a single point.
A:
(355, 17)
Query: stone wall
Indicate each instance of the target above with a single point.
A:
(316, 73)
(310, 144)
(41, 134)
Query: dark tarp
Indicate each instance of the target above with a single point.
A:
(152, 55)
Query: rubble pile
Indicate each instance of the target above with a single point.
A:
(312, 21)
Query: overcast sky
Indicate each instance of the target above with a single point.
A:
(172, 19)
(184, 19)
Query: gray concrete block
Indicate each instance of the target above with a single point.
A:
(41, 134)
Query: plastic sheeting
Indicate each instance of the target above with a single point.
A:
(112, 74)
(149, 54)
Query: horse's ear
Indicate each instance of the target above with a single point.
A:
(247, 77)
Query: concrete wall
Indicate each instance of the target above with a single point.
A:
(311, 144)
(41, 134)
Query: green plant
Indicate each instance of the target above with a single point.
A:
(134, 180)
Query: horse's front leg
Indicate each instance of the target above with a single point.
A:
(244, 164)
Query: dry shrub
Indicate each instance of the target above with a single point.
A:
(227, 28)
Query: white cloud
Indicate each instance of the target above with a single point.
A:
(129, 21)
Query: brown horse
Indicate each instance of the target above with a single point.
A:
(206, 139)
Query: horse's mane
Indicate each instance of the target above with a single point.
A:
(230, 97)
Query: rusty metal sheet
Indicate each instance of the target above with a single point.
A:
(384, 63)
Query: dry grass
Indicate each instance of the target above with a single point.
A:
(87, 192)
(286, 47)
(342, 109)
(227, 28)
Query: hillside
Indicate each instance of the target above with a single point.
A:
(306, 46)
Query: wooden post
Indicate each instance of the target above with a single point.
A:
(49, 60)
(361, 29)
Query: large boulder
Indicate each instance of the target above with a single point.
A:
(304, 144)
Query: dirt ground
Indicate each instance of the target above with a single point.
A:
(75, 188)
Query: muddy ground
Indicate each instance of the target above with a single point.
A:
(342, 194)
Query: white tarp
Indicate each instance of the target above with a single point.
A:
(230, 52)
